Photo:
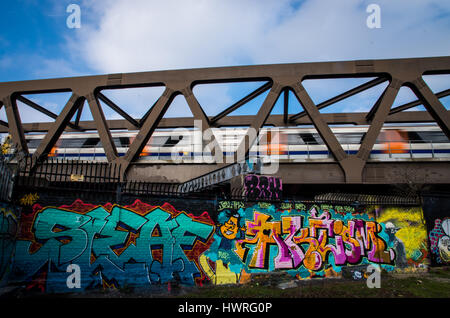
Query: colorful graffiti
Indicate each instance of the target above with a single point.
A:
(440, 241)
(407, 234)
(29, 199)
(262, 187)
(9, 220)
(147, 246)
(436, 214)
(137, 245)
(314, 241)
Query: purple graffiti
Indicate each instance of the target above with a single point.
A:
(262, 187)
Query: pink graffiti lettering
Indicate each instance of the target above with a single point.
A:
(310, 246)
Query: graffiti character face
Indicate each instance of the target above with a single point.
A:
(231, 227)
(444, 248)
(391, 229)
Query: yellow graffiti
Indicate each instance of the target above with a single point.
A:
(29, 199)
(231, 227)
(412, 230)
(8, 213)
(330, 272)
(222, 275)
(6, 146)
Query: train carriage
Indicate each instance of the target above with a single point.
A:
(281, 144)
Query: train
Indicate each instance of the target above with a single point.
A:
(284, 144)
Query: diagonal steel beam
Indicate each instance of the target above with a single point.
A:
(36, 106)
(15, 124)
(418, 102)
(117, 109)
(149, 111)
(148, 126)
(321, 126)
(195, 107)
(343, 96)
(102, 127)
(58, 127)
(371, 113)
(432, 104)
(258, 122)
(77, 118)
(42, 110)
(241, 102)
(379, 118)
(200, 115)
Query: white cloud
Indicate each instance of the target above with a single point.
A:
(142, 35)
(154, 35)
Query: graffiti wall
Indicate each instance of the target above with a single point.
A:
(137, 245)
(9, 220)
(262, 187)
(149, 244)
(436, 212)
(312, 240)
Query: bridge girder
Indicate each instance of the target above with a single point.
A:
(279, 78)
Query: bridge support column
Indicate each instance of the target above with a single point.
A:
(353, 168)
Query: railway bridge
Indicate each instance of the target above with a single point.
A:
(326, 159)
(147, 202)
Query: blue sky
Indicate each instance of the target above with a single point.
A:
(138, 35)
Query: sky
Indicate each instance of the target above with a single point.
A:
(121, 36)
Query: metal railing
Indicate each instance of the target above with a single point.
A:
(59, 170)
(367, 199)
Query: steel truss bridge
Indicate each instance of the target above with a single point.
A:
(345, 168)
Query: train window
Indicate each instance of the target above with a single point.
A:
(33, 143)
(434, 136)
(72, 142)
(172, 141)
(91, 142)
(124, 141)
(349, 138)
(293, 139)
(318, 139)
(414, 136)
(157, 141)
(309, 139)
(121, 141)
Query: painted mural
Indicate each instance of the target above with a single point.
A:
(114, 246)
(440, 241)
(438, 223)
(144, 246)
(9, 221)
(310, 241)
(262, 187)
